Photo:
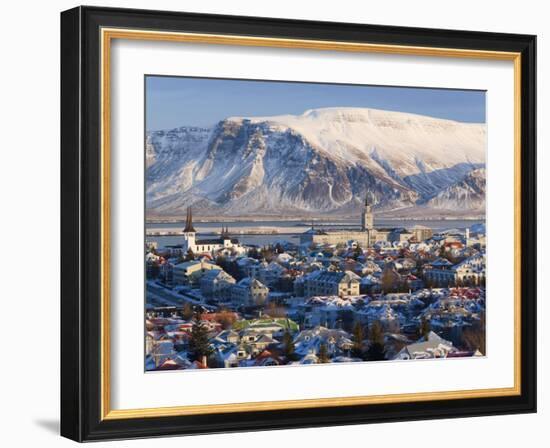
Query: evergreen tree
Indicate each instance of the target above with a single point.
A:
(376, 351)
(199, 344)
(288, 346)
(323, 355)
(190, 255)
(473, 337)
(358, 338)
(376, 333)
(389, 280)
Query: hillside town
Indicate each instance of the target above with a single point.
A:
(345, 295)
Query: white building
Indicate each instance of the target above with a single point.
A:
(326, 283)
(216, 283)
(211, 245)
(249, 291)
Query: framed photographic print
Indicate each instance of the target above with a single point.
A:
(276, 224)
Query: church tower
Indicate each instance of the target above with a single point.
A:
(226, 239)
(367, 219)
(189, 232)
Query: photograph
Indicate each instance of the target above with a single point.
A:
(303, 223)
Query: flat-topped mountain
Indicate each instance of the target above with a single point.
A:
(318, 163)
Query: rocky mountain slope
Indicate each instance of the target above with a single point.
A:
(467, 193)
(318, 163)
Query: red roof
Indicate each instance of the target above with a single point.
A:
(169, 364)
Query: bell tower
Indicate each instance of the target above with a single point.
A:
(367, 219)
(226, 239)
(189, 231)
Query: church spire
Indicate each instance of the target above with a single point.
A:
(225, 232)
(189, 221)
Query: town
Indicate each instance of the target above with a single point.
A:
(345, 295)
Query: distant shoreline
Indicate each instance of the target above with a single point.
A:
(306, 221)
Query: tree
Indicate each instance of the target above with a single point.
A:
(199, 344)
(226, 318)
(323, 355)
(376, 351)
(376, 332)
(473, 337)
(390, 279)
(288, 346)
(424, 328)
(190, 255)
(357, 339)
(187, 312)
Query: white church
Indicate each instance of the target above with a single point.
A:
(212, 245)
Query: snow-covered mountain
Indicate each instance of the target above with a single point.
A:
(468, 193)
(323, 161)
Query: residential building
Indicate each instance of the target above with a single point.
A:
(216, 283)
(433, 346)
(249, 291)
(327, 283)
(190, 272)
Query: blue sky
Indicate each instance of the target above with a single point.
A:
(178, 101)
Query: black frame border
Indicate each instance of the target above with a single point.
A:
(81, 223)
